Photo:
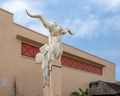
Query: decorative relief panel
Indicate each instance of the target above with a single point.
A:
(73, 63)
(29, 50)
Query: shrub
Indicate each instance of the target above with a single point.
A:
(81, 93)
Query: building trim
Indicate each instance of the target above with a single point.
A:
(29, 41)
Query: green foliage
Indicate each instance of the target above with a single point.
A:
(81, 93)
(75, 94)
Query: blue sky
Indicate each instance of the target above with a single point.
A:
(95, 23)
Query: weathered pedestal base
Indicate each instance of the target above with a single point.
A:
(55, 86)
(46, 91)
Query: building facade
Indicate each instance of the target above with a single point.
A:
(18, 70)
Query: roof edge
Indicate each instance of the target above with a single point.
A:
(6, 11)
(89, 53)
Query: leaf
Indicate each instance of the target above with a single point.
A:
(75, 94)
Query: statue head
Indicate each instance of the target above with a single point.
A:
(55, 24)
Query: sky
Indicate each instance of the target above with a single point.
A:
(95, 23)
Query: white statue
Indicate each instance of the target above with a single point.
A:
(42, 58)
(55, 49)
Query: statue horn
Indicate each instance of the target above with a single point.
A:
(45, 23)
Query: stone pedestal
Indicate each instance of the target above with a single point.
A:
(55, 86)
(55, 78)
(46, 91)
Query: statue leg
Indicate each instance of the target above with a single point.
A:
(52, 52)
(58, 51)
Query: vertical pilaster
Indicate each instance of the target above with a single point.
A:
(46, 91)
(55, 78)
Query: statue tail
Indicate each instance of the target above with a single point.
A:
(45, 23)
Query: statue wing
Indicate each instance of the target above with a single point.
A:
(45, 23)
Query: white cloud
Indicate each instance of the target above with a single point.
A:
(17, 7)
(93, 27)
(112, 3)
(84, 29)
(109, 4)
(14, 6)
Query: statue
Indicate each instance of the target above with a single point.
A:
(54, 49)
(42, 58)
